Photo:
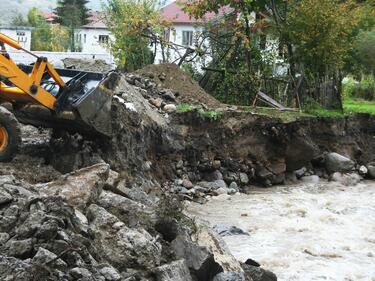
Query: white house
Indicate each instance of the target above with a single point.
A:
(185, 32)
(22, 34)
(94, 36)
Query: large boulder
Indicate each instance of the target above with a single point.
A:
(128, 211)
(335, 162)
(122, 246)
(79, 188)
(174, 271)
(207, 238)
(347, 179)
(199, 260)
(258, 274)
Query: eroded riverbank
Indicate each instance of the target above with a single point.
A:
(305, 232)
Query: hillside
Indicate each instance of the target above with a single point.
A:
(12, 7)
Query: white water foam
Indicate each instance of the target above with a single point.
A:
(323, 232)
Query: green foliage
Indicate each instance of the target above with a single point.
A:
(131, 22)
(47, 37)
(364, 89)
(321, 32)
(185, 107)
(213, 115)
(364, 51)
(72, 14)
(19, 20)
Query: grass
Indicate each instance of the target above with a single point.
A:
(351, 106)
(359, 106)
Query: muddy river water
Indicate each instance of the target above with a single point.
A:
(304, 232)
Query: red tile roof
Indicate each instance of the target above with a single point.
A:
(175, 14)
(96, 21)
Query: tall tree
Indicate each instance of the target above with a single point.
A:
(72, 14)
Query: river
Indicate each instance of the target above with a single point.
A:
(305, 232)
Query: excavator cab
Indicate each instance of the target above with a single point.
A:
(41, 95)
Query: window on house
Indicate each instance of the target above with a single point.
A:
(103, 39)
(187, 38)
(21, 37)
(84, 38)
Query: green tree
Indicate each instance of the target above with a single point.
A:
(72, 14)
(132, 22)
(19, 20)
(47, 37)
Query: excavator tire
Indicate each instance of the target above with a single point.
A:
(10, 135)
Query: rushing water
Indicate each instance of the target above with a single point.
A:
(322, 232)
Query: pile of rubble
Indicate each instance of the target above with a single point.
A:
(81, 227)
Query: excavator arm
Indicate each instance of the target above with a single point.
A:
(27, 88)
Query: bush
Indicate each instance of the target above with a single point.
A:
(365, 89)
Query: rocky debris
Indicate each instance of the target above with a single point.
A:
(94, 65)
(176, 84)
(120, 245)
(225, 230)
(347, 179)
(78, 188)
(175, 271)
(338, 163)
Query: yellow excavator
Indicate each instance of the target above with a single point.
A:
(41, 95)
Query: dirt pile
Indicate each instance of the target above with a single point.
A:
(93, 65)
(187, 90)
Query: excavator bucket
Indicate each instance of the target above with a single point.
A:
(84, 105)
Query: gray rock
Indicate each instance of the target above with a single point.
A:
(231, 191)
(130, 212)
(198, 259)
(258, 273)
(169, 96)
(112, 178)
(179, 164)
(123, 247)
(244, 179)
(170, 108)
(79, 272)
(79, 188)
(215, 175)
(43, 256)
(230, 276)
(19, 248)
(157, 102)
(175, 271)
(220, 191)
(348, 179)
(300, 172)
(216, 164)
(110, 273)
(227, 230)
(187, 184)
(4, 237)
(13, 269)
(213, 185)
(310, 179)
(5, 197)
(362, 170)
(233, 185)
(335, 162)
(9, 179)
(371, 170)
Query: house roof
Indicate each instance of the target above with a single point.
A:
(96, 21)
(14, 27)
(174, 13)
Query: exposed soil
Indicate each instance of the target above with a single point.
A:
(170, 76)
